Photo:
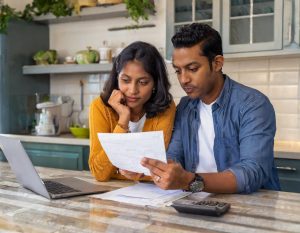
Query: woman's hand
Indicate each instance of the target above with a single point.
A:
(131, 175)
(117, 102)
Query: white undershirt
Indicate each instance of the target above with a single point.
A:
(138, 126)
(206, 134)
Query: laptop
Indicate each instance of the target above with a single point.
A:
(28, 177)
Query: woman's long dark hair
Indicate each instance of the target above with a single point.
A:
(154, 65)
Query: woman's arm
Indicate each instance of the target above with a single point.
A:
(101, 121)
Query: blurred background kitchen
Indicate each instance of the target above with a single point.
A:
(261, 40)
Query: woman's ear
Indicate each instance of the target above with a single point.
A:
(219, 61)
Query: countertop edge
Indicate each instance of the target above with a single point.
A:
(66, 139)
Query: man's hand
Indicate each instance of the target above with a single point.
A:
(131, 175)
(169, 175)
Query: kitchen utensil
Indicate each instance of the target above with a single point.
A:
(105, 53)
(80, 132)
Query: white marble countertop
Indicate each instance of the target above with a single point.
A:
(23, 211)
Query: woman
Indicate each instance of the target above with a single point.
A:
(136, 98)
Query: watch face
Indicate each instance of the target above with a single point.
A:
(197, 186)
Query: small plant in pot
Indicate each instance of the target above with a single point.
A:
(139, 9)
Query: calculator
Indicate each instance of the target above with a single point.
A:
(203, 207)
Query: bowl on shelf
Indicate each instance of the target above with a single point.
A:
(79, 132)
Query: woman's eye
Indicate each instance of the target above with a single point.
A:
(144, 83)
(125, 80)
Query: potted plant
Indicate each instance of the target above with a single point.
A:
(139, 9)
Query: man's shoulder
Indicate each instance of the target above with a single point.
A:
(242, 93)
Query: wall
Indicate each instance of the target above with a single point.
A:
(68, 38)
(278, 78)
(17, 4)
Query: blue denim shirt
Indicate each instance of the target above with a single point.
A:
(244, 123)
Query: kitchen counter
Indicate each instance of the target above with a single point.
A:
(23, 211)
(66, 139)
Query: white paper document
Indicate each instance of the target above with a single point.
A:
(144, 195)
(126, 150)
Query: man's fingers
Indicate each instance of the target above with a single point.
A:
(150, 163)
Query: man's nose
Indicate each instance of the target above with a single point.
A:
(184, 78)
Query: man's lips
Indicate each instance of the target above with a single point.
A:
(188, 89)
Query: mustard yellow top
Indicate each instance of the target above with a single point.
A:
(104, 119)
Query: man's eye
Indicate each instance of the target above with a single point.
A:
(194, 69)
(177, 72)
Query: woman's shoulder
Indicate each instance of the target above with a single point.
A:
(168, 111)
(98, 104)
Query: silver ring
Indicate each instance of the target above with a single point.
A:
(157, 178)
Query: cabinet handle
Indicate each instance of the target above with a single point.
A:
(287, 168)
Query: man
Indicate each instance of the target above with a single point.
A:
(224, 131)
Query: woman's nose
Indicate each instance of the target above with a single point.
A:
(133, 89)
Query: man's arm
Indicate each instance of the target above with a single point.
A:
(173, 176)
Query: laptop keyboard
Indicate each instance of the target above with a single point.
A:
(58, 188)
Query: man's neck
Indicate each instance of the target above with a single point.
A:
(216, 90)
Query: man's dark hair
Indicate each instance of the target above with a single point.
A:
(197, 33)
(154, 65)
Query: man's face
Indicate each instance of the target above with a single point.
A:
(194, 73)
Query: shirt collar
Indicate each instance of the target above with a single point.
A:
(225, 93)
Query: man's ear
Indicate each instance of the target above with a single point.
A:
(219, 61)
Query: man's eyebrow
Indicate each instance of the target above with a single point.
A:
(187, 65)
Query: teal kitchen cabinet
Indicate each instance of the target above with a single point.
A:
(72, 157)
(289, 174)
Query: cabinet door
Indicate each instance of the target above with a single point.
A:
(291, 21)
(183, 12)
(289, 174)
(297, 22)
(252, 25)
(54, 155)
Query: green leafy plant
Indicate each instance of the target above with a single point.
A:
(139, 9)
(36, 8)
(6, 14)
(56, 7)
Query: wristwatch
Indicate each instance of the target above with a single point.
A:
(197, 185)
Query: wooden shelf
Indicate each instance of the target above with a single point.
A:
(67, 69)
(88, 13)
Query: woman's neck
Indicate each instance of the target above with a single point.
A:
(136, 114)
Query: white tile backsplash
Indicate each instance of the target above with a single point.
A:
(284, 64)
(283, 92)
(254, 78)
(254, 65)
(284, 77)
(287, 120)
(285, 106)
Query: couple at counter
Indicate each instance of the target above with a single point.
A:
(223, 133)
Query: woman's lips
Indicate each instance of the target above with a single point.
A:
(131, 99)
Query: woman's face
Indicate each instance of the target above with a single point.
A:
(136, 84)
